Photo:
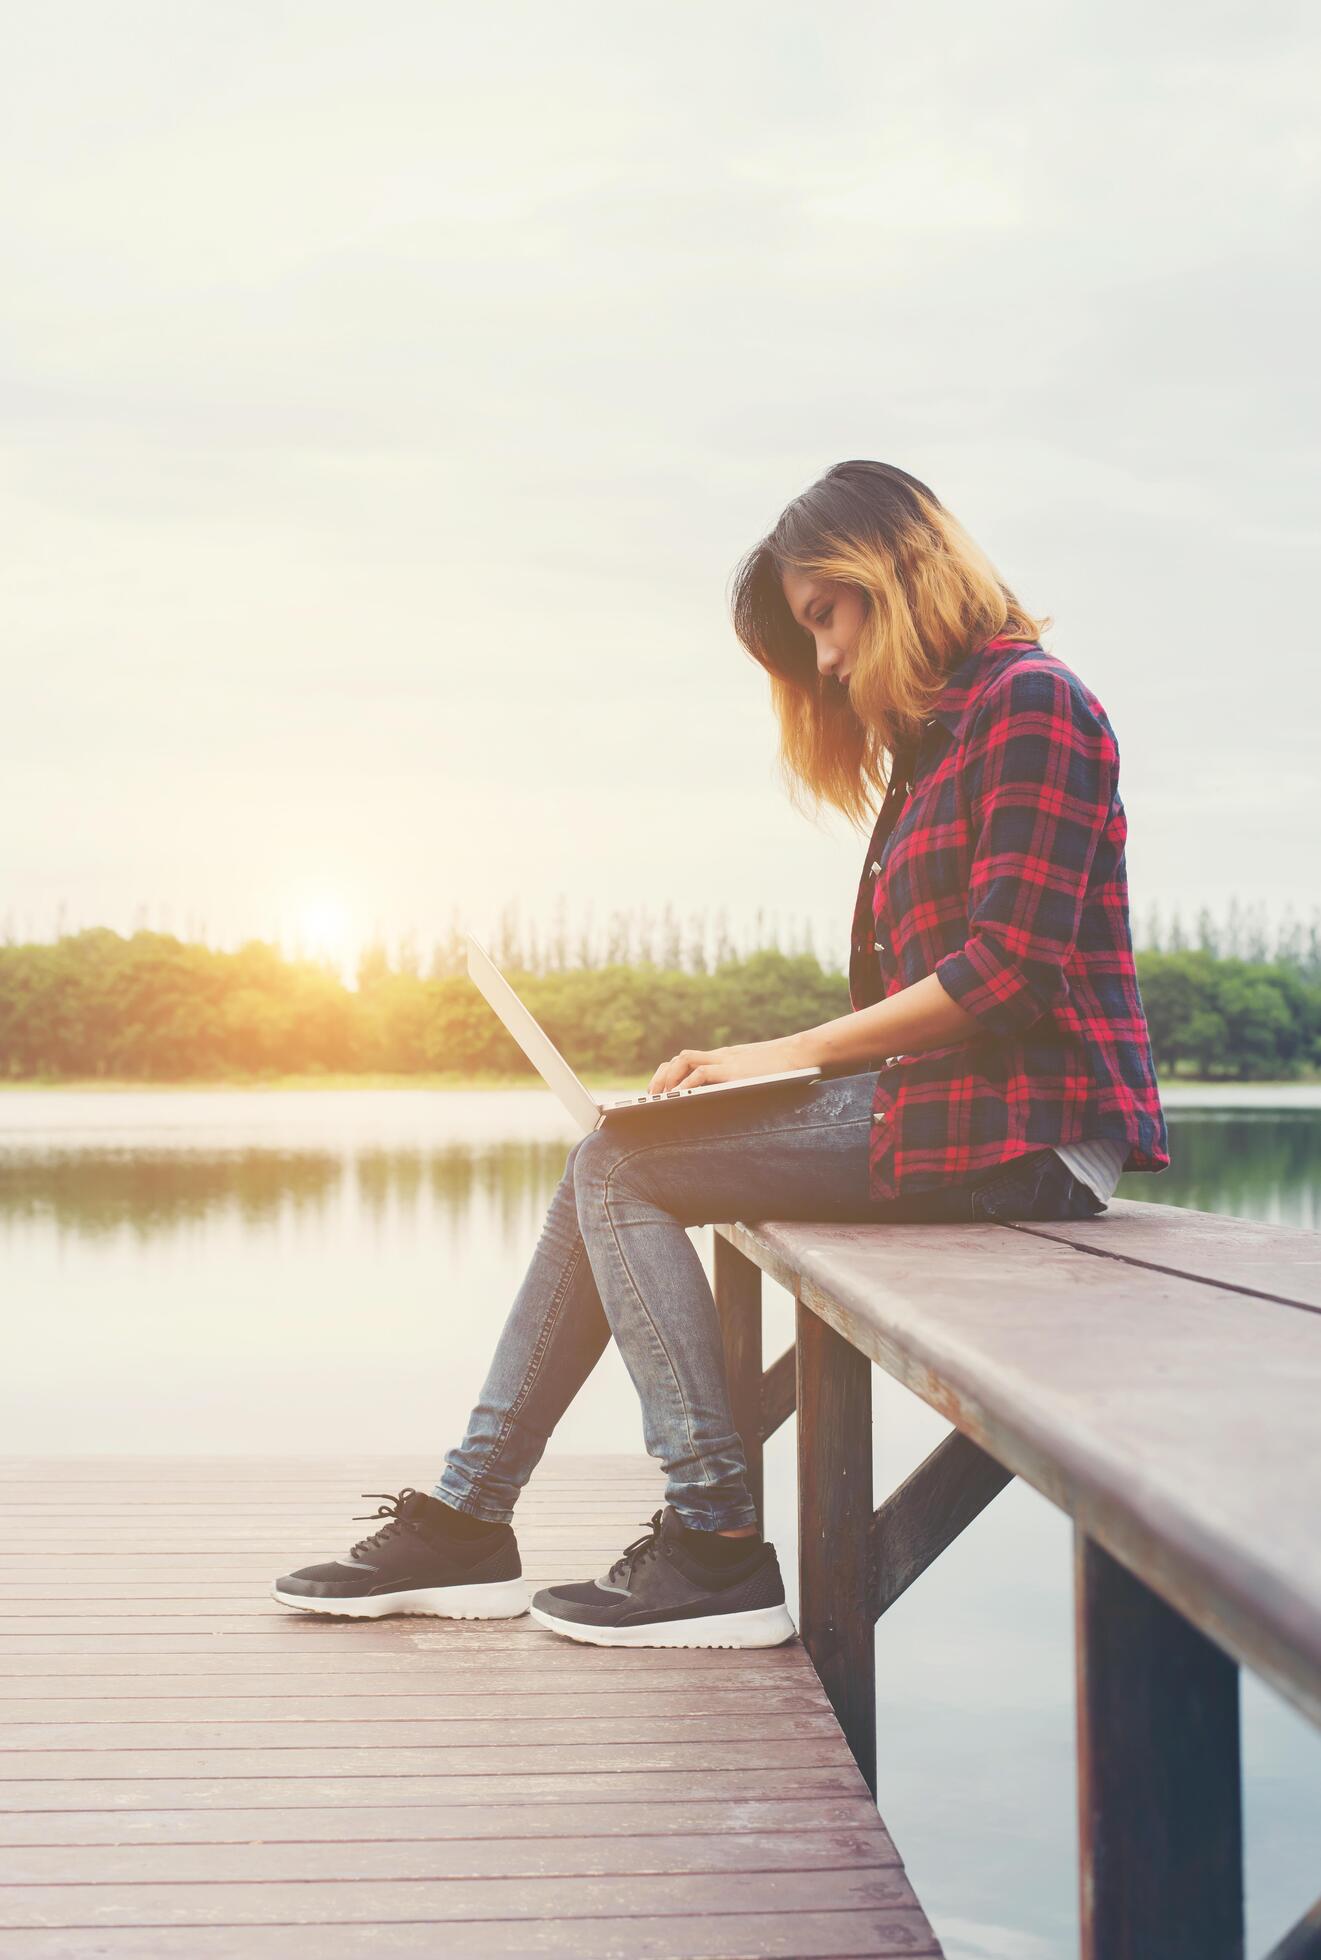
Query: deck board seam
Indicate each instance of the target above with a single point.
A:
(1026, 1225)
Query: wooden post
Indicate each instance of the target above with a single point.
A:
(738, 1302)
(1159, 1803)
(834, 1528)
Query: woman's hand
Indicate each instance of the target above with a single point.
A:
(691, 1067)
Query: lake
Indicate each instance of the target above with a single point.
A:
(300, 1272)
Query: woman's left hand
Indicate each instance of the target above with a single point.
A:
(692, 1067)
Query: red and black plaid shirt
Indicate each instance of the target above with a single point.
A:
(997, 863)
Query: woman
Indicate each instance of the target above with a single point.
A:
(995, 1065)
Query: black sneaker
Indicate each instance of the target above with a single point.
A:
(658, 1595)
(415, 1564)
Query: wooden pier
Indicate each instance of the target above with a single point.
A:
(192, 1770)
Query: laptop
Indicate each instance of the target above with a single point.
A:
(588, 1110)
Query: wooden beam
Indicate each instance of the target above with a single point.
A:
(927, 1512)
(738, 1302)
(1159, 1786)
(834, 1528)
(779, 1392)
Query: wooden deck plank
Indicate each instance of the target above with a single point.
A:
(709, 1702)
(404, 1672)
(571, 1856)
(1274, 1262)
(392, 1822)
(197, 1598)
(372, 1784)
(365, 1900)
(359, 1731)
(186, 1767)
(492, 1759)
(877, 1934)
(334, 1642)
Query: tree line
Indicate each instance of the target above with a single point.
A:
(151, 1007)
(701, 943)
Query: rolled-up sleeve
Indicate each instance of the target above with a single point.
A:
(1043, 772)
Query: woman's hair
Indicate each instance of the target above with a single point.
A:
(929, 594)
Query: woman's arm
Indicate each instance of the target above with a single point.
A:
(916, 1018)
(907, 1023)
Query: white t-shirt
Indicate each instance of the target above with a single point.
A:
(1096, 1163)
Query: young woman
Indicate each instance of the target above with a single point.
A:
(995, 1065)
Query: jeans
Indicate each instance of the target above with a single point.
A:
(614, 1257)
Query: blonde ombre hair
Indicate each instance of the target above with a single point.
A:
(930, 595)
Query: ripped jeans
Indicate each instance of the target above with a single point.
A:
(615, 1257)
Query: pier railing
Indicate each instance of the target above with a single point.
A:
(1154, 1372)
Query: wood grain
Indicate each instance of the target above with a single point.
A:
(186, 1768)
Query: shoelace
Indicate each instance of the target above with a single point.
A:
(635, 1555)
(393, 1504)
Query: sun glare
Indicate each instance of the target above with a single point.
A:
(323, 927)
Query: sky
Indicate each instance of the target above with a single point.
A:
(389, 394)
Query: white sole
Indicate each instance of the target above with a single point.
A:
(768, 1626)
(501, 1599)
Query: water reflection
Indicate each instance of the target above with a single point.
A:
(514, 1180)
(151, 1193)
(1246, 1164)
(1263, 1164)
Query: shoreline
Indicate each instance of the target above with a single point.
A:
(453, 1082)
(247, 1085)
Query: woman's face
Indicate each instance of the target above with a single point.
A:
(832, 614)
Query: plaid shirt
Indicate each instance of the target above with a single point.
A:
(997, 863)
